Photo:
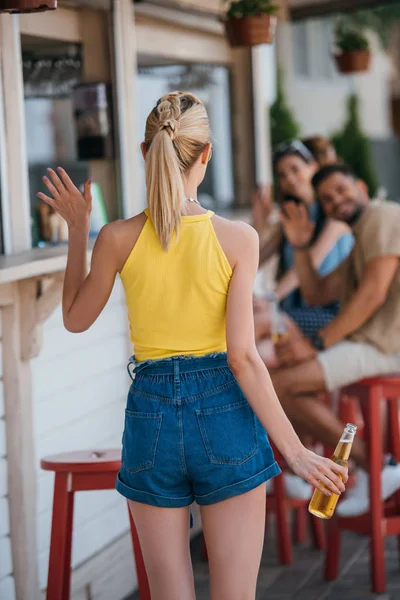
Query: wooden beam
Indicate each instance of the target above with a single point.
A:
(20, 454)
(15, 134)
(194, 7)
(30, 332)
(171, 41)
(49, 301)
(242, 125)
(62, 24)
(6, 294)
(202, 22)
(307, 9)
(125, 74)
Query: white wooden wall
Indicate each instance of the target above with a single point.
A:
(80, 385)
(7, 589)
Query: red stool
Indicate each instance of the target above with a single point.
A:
(382, 520)
(77, 472)
(281, 505)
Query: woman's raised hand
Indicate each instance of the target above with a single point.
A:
(73, 206)
(298, 227)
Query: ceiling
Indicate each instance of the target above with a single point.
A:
(301, 9)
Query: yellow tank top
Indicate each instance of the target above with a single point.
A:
(177, 300)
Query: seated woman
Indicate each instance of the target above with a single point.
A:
(294, 167)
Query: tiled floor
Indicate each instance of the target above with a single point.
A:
(303, 579)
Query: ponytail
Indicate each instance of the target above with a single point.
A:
(177, 131)
(165, 192)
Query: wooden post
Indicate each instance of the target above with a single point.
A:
(262, 62)
(125, 60)
(14, 120)
(242, 125)
(20, 451)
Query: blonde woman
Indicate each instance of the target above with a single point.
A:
(201, 399)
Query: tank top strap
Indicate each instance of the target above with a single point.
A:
(206, 216)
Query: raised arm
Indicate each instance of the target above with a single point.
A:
(268, 249)
(315, 289)
(331, 233)
(84, 295)
(252, 375)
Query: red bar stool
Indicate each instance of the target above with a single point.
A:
(77, 472)
(281, 505)
(383, 519)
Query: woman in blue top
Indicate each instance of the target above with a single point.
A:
(294, 167)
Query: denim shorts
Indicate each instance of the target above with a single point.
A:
(190, 435)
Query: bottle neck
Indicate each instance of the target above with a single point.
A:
(343, 449)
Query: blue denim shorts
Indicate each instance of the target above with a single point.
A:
(190, 435)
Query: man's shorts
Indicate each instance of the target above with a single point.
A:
(348, 362)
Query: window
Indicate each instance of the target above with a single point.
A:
(212, 85)
(51, 71)
(313, 45)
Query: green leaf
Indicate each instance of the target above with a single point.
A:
(283, 124)
(354, 147)
(251, 8)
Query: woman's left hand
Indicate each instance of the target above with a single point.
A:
(73, 206)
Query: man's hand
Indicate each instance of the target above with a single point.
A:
(294, 349)
(297, 225)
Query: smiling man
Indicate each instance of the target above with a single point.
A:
(364, 339)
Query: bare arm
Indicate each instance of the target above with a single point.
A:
(319, 250)
(317, 290)
(252, 375)
(84, 296)
(299, 230)
(271, 246)
(368, 298)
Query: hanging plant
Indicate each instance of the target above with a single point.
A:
(354, 55)
(251, 22)
(27, 6)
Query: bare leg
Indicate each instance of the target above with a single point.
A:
(234, 533)
(298, 389)
(164, 539)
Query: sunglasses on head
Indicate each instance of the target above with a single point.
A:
(290, 148)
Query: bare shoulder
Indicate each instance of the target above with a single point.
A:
(235, 237)
(121, 236)
(337, 228)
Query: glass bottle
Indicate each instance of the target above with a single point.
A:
(279, 328)
(323, 506)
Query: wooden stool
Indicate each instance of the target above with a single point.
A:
(382, 520)
(281, 505)
(77, 472)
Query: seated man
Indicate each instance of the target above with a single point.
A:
(363, 340)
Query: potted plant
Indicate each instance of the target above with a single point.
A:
(251, 22)
(353, 54)
(26, 6)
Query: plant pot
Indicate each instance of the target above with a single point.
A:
(251, 31)
(26, 6)
(357, 61)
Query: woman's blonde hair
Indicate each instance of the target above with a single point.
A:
(177, 132)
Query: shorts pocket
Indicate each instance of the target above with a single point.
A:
(140, 440)
(229, 433)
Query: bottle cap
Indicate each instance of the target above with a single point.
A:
(352, 428)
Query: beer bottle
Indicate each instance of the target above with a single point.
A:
(279, 329)
(323, 506)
